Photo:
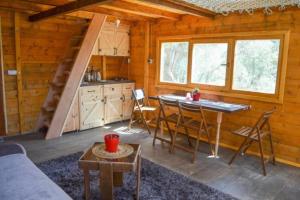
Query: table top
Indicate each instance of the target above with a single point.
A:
(206, 104)
(89, 158)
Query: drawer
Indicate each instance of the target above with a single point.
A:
(91, 90)
(127, 88)
(113, 90)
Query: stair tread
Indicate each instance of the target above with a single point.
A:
(58, 84)
(49, 108)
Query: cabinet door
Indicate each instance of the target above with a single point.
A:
(72, 121)
(113, 108)
(91, 107)
(106, 43)
(122, 43)
(127, 107)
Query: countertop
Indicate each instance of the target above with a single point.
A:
(106, 82)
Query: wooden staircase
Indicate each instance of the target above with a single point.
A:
(67, 80)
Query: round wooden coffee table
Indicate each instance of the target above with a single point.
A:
(110, 167)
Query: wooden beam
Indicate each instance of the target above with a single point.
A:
(140, 10)
(104, 69)
(118, 14)
(66, 8)
(2, 93)
(177, 5)
(89, 11)
(146, 57)
(19, 71)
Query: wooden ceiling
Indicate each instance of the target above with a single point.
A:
(131, 10)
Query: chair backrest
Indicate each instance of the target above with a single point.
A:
(264, 120)
(190, 108)
(138, 94)
(167, 102)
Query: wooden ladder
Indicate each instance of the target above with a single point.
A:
(67, 80)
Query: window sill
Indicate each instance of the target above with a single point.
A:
(249, 96)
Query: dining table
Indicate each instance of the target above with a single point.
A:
(219, 107)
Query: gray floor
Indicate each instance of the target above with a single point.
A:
(243, 179)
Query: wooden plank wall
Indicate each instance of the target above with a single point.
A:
(286, 121)
(42, 46)
(115, 66)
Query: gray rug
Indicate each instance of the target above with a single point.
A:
(157, 182)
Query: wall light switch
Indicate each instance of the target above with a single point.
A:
(12, 72)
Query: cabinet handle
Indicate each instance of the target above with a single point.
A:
(123, 98)
(91, 90)
(105, 100)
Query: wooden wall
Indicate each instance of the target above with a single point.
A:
(114, 66)
(286, 121)
(42, 46)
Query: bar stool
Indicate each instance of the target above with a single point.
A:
(198, 125)
(261, 129)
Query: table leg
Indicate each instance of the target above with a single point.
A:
(138, 177)
(106, 181)
(162, 131)
(219, 122)
(118, 179)
(86, 177)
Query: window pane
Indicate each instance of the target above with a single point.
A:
(174, 61)
(256, 65)
(209, 63)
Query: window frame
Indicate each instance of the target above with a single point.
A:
(159, 62)
(227, 75)
(231, 39)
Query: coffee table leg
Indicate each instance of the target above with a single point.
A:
(106, 181)
(138, 177)
(118, 179)
(86, 175)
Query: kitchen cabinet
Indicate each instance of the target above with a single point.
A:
(113, 103)
(113, 41)
(91, 106)
(127, 100)
(98, 105)
(72, 121)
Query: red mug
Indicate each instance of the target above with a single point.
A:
(111, 142)
(196, 96)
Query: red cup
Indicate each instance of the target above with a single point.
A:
(111, 142)
(196, 96)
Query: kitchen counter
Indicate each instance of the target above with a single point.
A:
(106, 82)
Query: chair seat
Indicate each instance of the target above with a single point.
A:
(174, 118)
(245, 131)
(194, 124)
(146, 108)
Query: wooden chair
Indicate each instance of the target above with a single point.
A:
(168, 119)
(198, 125)
(141, 107)
(256, 133)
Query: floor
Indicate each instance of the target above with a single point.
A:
(243, 179)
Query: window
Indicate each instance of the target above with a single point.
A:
(249, 65)
(256, 65)
(174, 62)
(209, 63)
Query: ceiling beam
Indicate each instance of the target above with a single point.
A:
(93, 9)
(66, 8)
(140, 10)
(180, 6)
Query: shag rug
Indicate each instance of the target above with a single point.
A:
(157, 182)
